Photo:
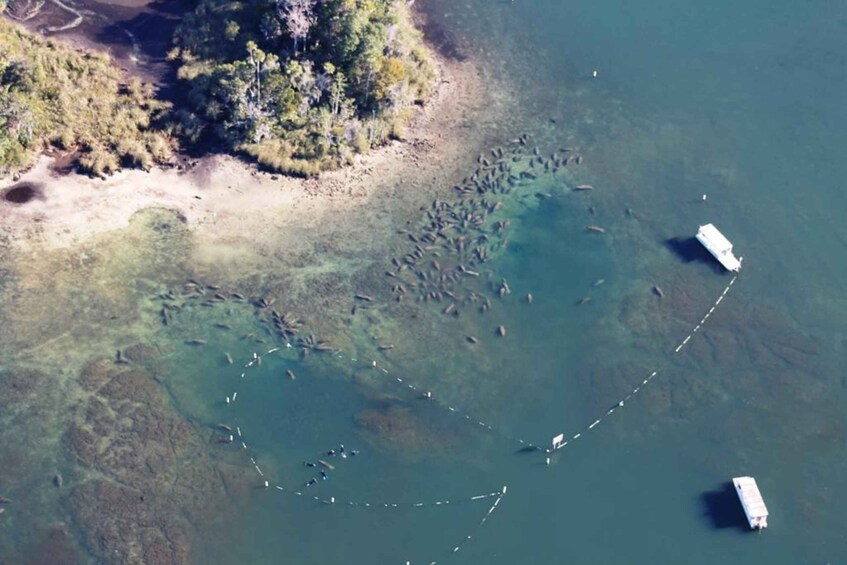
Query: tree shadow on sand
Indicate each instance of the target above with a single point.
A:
(144, 37)
(146, 33)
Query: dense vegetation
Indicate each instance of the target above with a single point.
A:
(51, 94)
(300, 85)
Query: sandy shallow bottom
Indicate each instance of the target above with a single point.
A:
(81, 260)
(222, 197)
(756, 391)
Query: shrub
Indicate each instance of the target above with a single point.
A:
(98, 162)
(71, 99)
(134, 154)
(275, 155)
(158, 148)
(360, 142)
(12, 153)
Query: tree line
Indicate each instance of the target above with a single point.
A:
(299, 86)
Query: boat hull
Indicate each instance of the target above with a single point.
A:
(719, 246)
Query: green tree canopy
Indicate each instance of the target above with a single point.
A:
(301, 82)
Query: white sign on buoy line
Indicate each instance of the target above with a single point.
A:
(558, 441)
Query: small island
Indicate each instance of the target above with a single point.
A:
(297, 86)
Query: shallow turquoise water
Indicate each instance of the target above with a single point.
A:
(740, 103)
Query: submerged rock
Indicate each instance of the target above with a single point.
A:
(54, 546)
(153, 478)
(142, 353)
(400, 428)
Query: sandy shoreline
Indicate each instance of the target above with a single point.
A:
(223, 196)
(83, 270)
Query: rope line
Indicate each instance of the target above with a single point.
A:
(457, 225)
(559, 441)
(479, 526)
(256, 360)
(334, 500)
(559, 445)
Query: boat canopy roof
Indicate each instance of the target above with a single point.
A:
(711, 237)
(751, 498)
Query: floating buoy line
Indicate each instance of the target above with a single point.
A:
(558, 442)
(448, 251)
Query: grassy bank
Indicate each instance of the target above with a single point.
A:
(74, 100)
(299, 86)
